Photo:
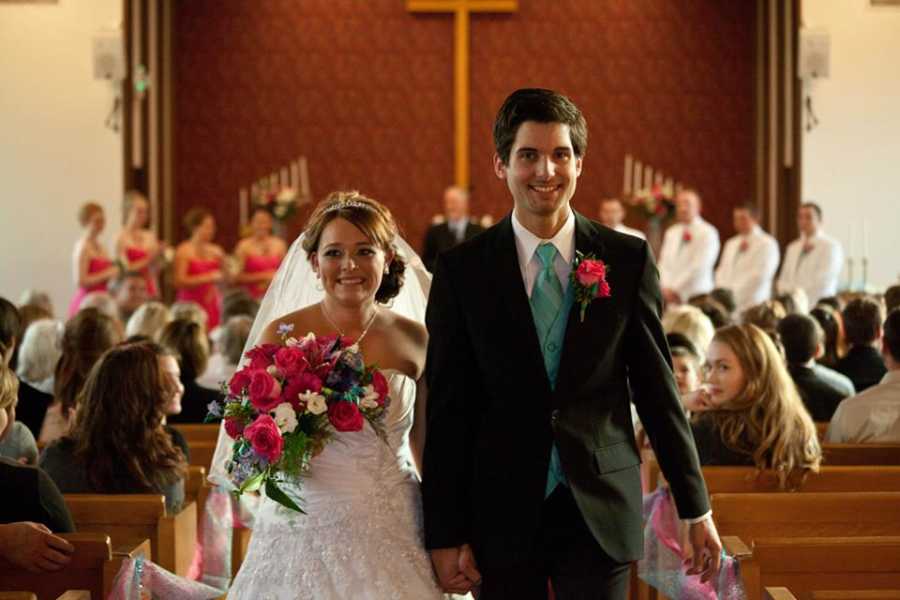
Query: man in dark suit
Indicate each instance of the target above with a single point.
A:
(531, 469)
(456, 228)
(862, 326)
(820, 388)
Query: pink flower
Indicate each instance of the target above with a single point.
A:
(304, 383)
(590, 272)
(239, 381)
(265, 391)
(265, 438)
(345, 416)
(290, 361)
(234, 427)
(380, 385)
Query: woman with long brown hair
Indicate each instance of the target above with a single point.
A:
(752, 413)
(118, 444)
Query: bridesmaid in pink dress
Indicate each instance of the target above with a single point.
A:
(259, 254)
(91, 265)
(137, 246)
(198, 265)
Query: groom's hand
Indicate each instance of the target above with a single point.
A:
(447, 566)
(707, 549)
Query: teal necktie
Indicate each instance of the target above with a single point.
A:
(547, 301)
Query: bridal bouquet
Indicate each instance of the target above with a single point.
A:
(285, 405)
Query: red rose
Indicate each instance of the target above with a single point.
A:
(345, 416)
(290, 361)
(686, 236)
(300, 384)
(380, 385)
(234, 427)
(265, 391)
(239, 381)
(263, 351)
(590, 272)
(265, 438)
(603, 290)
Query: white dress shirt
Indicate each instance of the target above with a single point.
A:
(686, 267)
(622, 228)
(870, 417)
(747, 267)
(816, 271)
(530, 264)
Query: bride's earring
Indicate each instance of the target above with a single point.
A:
(319, 286)
(387, 269)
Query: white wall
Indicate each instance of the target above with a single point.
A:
(851, 161)
(55, 152)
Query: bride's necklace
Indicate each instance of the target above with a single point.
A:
(341, 331)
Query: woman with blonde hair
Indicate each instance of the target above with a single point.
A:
(690, 322)
(137, 245)
(751, 412)
(92, 268)
(148, 321)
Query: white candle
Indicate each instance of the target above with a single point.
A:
(304, 180)
(865, 239)
(295, 176)
(668, 188)
(850, 244)
(636, 182)
(284, 177)
(626, 184)
(648, 177)
(244, 208)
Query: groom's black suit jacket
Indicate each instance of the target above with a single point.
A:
(492, 415)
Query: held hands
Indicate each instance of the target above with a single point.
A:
(33, 547)
(456, 569)
(707, 549)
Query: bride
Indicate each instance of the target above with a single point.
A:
(362, 536)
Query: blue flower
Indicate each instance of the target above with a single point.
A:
(285, 328)
(214, 409)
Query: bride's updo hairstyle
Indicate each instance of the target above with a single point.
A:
(370, 217)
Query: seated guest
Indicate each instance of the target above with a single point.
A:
(749, 259)
(9, 329)
(795, 302)
(227, 352)
(118, 444)
(862, 327)
(129, 291)
(832, 326)
(724, 297)
(892, 298)
(873, 416)
(27, 316)
(103, 302)
(754, 415)
(190, 311)
(832, 301)
(33, 547)
(16, 441)
(820, 388)
(37, 298)
(686, 362)
(148, 321)
(172, 391)
(38, 354)
(88, 335)
(692, 323)
(187, 340)
(765, 315)
(718, 316)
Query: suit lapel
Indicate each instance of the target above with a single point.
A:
(522, 333)
(583, 346)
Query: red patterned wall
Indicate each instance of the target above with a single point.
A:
(364, 89)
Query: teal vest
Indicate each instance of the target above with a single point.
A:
(551, 348)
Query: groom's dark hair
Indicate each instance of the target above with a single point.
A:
(542, 106)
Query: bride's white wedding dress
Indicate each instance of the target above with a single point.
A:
(362, 537)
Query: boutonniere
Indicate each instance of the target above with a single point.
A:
(589, 280)
(807, 248)
(744, 246)
(686, 236)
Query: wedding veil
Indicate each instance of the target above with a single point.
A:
(294, 287)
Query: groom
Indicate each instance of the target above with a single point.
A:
(531, 469)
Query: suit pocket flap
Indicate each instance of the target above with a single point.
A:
(616, 457)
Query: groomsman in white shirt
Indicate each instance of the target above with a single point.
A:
(689, 250)
(612, 214)
(813, 261)
(749, 260)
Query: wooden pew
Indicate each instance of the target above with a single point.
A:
(861, 454)
(753, 516)
(821, 429)
(806, 564)
(68, 595)
(17, 596)
(202, 453)
(204, 432)
(93, 569)
(127, 517)
(829, 479)
(857, 595)
(778, 593)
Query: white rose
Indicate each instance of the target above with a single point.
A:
(370, 397)
(291, 341)
(315, 403)
(273, 371)
(285, 418)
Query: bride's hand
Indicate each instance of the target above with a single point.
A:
(446, 562)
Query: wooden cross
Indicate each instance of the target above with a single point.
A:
(461, 10)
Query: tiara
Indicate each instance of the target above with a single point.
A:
(348, 204)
